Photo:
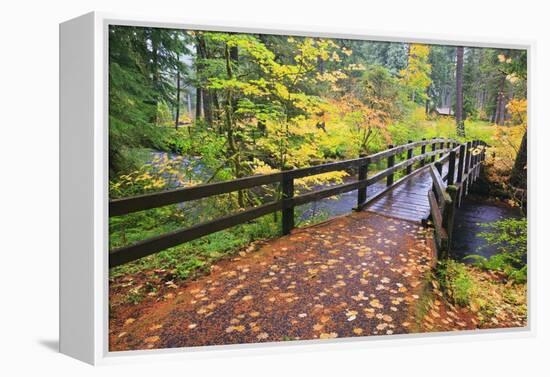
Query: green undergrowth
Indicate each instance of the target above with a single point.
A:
(494, 301)
(455, 282)
(195, 257)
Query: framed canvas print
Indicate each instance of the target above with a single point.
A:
(225, 186)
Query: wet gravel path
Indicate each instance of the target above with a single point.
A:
(357, 275)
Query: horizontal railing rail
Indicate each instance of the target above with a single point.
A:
(124, 206)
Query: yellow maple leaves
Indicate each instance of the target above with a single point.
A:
(262, 336)
(238, 328)
(375, 303)
(331, 335)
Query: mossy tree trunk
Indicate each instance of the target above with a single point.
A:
(519, 171)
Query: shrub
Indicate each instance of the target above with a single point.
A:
(456, 282)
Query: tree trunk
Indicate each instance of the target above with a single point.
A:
(229, 124)
(459, 92)
(519, 171)
(198, 110)
(155, 73)
(202, 94)
(206, 96)
(427, 108)
(178, 97)
(207, 105)
(499, 111)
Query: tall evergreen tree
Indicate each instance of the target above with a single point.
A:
(459, 93)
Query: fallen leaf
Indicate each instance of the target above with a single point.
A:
(262, 336)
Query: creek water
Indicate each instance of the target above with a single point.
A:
(469, 221)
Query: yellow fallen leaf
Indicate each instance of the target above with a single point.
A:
(262, 336)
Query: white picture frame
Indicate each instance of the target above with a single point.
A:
(84, 193)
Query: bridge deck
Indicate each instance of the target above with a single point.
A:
(408, 200)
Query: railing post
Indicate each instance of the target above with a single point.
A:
(451, 171)
(391, 161)
(460, 172)
(439, 168)
(409, 156)
(448, 217)
(422, 151)
(467, 164)
(361, 176)
(461, 155)
(441, 146)
(288, 208)
(482, 157)
(474, 162)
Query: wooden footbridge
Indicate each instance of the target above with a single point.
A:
(417, 181)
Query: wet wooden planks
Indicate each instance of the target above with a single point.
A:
(407, 201)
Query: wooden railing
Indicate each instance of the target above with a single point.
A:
(120, 207)
(449, 190)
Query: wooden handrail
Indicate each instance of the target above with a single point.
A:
(119, 207)
(444, 198)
